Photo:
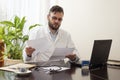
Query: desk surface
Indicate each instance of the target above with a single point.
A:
(75, 73)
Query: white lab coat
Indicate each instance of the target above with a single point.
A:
(63, 40)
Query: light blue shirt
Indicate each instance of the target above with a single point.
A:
(53, 36)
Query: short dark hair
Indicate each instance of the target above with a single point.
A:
(56, 8)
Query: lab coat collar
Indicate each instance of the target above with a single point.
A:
(58, 34)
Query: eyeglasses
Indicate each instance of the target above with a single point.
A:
(55, 18)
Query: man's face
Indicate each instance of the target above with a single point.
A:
(54, 20)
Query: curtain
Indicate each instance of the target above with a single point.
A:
(35, 11)
(2, 10)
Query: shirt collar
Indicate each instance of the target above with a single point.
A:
(48, 29)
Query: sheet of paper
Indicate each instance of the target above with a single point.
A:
(60, 53)
(40, 44)
(14, 68)
(55, 68)
(113, 63)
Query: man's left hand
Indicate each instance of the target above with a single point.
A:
(72, 57)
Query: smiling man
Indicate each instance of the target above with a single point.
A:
(58, 38)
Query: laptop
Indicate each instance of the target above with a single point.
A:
(100, 53)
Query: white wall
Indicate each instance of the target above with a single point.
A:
(88, 20)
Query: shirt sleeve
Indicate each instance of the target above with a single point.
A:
(32, 36)
(25, 57)
(71, 45)
(75, 61)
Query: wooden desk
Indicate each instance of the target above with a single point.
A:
(74, 73)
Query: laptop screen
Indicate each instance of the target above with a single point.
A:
(100, 53)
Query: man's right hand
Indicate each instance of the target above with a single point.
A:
(29, 51)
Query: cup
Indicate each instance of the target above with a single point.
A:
(85, 67)
(22, 69)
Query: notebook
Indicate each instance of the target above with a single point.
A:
(100, 53)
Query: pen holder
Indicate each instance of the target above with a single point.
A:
(85, 63)
(85, 67)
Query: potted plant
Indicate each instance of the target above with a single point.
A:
(1, 53)
(11, 34)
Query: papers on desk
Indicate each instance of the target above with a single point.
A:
(113, 63)
(15, 67)
(54, 69)
(60, 53)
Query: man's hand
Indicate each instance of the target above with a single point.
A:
(29, 51)
(72, 57)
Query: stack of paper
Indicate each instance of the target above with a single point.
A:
(15, 67)
(116, 63)
(12, 62)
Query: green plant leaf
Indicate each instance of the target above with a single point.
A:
(7, 23)
(1, 37)
(1, 32)
(16, 21)
(32, 26)
(21, 25)
(25, 38)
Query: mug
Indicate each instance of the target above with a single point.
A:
(22, 69)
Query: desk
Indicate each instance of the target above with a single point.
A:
(75, 73)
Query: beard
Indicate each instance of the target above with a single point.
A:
(53, 26)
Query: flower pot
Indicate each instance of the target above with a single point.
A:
(1, 63)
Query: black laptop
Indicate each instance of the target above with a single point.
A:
(100, 53)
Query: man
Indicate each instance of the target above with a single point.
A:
(57, 37)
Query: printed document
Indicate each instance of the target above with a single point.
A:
(60, 53)
(40, 45)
